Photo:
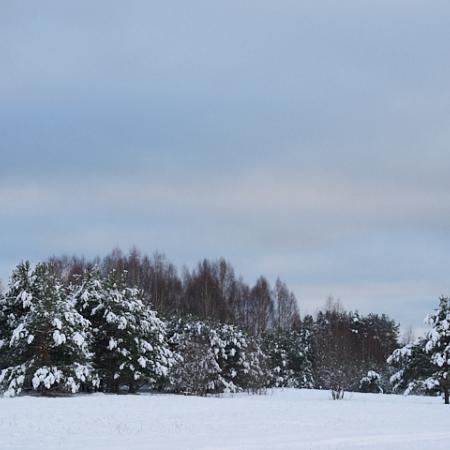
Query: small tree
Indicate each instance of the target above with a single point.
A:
(371, 383)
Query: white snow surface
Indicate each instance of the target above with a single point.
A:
(281, 419)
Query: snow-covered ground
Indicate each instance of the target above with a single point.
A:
(282, 419)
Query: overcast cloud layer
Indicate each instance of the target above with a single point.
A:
(308, 140)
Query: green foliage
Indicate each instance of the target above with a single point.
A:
(130, 347)
(423, 366)
(438, 347)
(47, 339)
(214, 358)
(413, 366)
(289, 358)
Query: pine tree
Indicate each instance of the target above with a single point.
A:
(424, 366)
(215, 358)
(14, 304)
(240, 359)
(47, 337)
(438, 347)
(3, 335)
(413, 366)
(17, 300)
(196, 370)
(87, 293)
(130, 345)
(275, 348)
(289, 358)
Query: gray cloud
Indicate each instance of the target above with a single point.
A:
(305, 139)
(334, 203)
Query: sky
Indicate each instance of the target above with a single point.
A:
(302, 139)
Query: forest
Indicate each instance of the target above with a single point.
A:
(127, 322)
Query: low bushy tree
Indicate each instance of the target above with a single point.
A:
(371, 383)
(214, 358)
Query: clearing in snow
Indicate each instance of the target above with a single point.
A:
(281, 419)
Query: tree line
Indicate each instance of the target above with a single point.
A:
(210, 291)
(96, 333)
(128, 321)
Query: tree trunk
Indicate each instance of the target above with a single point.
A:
(446, 395)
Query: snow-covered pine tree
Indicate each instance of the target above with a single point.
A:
(302, 358)
(424, 366)
(196, 370)
(254, 374)
(215, 358)
(17, 300)
(438, 347)
(289, 358)
(87, 293)
(240, 358)
(275, 347)
(47, 338)
(412, 367)
(3, 335)
(13, 305)
(130, 340)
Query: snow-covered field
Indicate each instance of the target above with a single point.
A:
(282, 419)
